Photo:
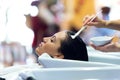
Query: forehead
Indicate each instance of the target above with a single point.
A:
(61, 35)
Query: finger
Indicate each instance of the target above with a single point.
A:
(100, 48)
(91, 44)
(92, 24)
(86, 21)
(85, 18)
(89, 20)
(115, 39)
(106, 47)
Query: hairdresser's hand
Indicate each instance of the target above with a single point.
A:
(96, 22)
(113, 46)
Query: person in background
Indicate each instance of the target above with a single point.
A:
(111, 24)
(39, 28)
(62, 46)
(41, 25)
(105, 16)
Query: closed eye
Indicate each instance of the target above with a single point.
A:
(53, 38)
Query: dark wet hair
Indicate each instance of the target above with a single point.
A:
(74, 49)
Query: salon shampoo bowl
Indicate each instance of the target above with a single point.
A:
(82, 73)
(47, 62)
(104, 58)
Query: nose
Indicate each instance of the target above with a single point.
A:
(45, 39)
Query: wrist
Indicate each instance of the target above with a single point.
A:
(117, 47)
(107, 23)
(116, 41)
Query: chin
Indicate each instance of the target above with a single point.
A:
(37, 50)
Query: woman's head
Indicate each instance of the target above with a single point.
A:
(73, 48)
(61, 45)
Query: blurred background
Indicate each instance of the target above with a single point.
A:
(23, 24)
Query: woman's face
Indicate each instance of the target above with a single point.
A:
(51, 45)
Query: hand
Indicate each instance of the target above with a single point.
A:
(96, 22)
(113, 46)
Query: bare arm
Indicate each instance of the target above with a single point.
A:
(100, 23)
(113, 46)
(114, 24)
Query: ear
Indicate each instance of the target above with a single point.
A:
(60, 56)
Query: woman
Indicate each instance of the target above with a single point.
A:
(61, 45)
(113, 46)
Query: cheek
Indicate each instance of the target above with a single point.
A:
(50, 49)
(44, 49)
